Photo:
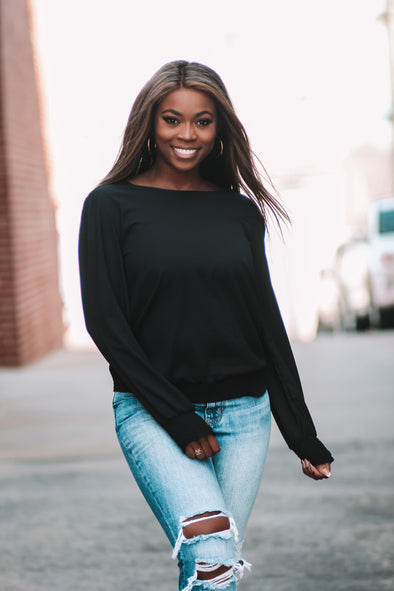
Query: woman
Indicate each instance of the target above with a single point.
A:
(177, 297)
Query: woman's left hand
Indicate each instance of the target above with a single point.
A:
(319, 472)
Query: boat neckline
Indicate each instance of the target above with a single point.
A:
(175, 190)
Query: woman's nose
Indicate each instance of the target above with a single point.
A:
(187, 131)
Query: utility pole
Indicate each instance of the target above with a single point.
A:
(388, 18)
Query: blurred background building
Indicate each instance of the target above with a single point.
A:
(309, 80)
(30, 305)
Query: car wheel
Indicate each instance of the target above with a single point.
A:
(362, 323)
(386, 317)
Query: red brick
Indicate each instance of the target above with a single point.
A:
(30, 304)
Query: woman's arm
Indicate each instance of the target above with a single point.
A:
(105, 304)
(286, 396)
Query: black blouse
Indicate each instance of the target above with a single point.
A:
(177, 297)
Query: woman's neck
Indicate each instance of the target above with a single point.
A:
(175, 180)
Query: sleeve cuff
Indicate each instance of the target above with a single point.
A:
(313, 450)
(186, 428)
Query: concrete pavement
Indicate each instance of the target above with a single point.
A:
(73, 519)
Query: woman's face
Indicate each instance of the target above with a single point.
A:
(185, 129)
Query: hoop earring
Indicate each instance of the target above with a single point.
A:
(149, 147)
(221, 149)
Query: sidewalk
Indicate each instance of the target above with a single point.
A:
(73, 519)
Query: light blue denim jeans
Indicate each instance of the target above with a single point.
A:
(178, 488)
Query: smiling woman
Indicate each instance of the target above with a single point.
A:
(178, 298)
(185, 127)
(229, 165)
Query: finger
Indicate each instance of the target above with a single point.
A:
(316, 473)
(204, 445)
(215, 447)
(199, 449)
(190, 449)
(313, 472)
(210, 445)
(324, 470)
(309, 470)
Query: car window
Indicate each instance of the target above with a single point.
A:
(386, 221)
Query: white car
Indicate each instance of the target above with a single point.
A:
(363, 272)
(352, 273)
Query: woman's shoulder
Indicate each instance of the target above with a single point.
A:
(249, 208)
(107, 191)
(105, 202)
(109, 196)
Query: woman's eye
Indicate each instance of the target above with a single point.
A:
(170, 120)
(204, 122)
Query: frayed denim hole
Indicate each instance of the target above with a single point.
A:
(211, 585)
(239, 568)
(224, 534)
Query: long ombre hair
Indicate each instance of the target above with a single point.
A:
(234, 170)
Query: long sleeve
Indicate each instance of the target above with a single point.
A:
(286, 396)
(106, 309)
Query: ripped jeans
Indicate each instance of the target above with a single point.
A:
(183, 492)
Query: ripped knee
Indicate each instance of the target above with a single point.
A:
(207, 523)
(214, 573)
(200, 528)
(204, 524)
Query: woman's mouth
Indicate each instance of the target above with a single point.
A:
(185, 152)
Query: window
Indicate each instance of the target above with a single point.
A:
(386, 221)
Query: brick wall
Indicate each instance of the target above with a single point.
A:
(30, 303)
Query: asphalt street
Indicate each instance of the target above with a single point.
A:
(71, 517)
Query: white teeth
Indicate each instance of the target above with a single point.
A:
(185, 150)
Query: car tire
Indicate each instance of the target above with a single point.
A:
(386, 317)
(362, 323)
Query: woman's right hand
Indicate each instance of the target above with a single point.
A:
(206, 447)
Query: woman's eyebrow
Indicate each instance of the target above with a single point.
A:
(173, 111)
(179, 114)
(204, 113)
